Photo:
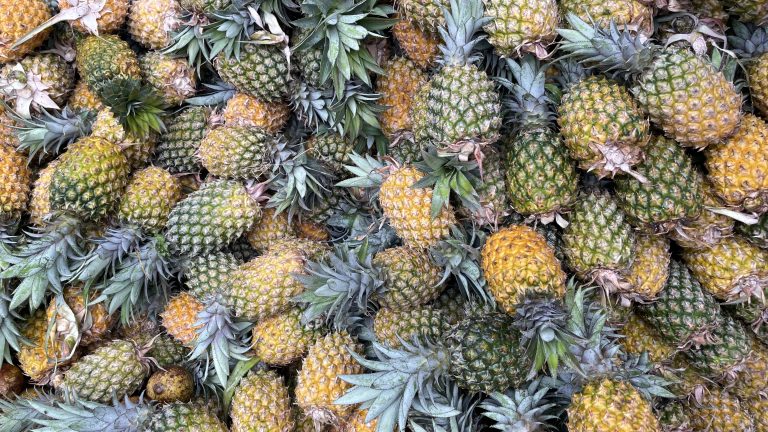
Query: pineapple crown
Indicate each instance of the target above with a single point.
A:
(459, 255)
(527, 409)
(355, 226)
(529, 102)
(446, 173)
(423, 418)
(51, 132)
(100, 262)
(619, 53)
(219, 338)
(463, 20)
(339, 28)
(242, 23)
(138, 107)
(8, 329)
(748, 40)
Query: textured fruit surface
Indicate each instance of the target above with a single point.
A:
(180, 317)
(40, 202)
(621, 12)
(19, 18)
(268, 229)
(185, 417)
(104, 58)
(236, 152)
(410, 278)
(730, 348)
(282, 339)
(718, 412)
(246, 110)
(650, 266)
(262, 71)
(420, 46)
(109, 19)
(149, 198)
(11, 380)
(611, 406)
(332, 149)
(209, 273)
(83, 98)
(178, 147)
(408, 209)
(758, 81)
(398, 86)
(426, 14)
(390, 326)
(14, 183)
(174, 384)
(261, 403)
(115, 369)
(521, 25)
(517, 262)
(56, 76)
(151, 21)
(640, 337)
(172, 78)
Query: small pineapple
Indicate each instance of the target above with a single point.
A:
(709, 227)
(650, 267)
(180, 317)
(282, 339)
(171, 384)
(104, 58)
(246, 110)
(422, 47)
(426, 14)
(109, 18)
(92, 320)
(261, 71)
(332, 149)
(149, 198)
(261, 403)
(37, 82)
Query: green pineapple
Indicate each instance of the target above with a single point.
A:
(260, 71)
(725, 356)
(332, 149)
(178, 146)
(149, 198)
(180, 416)
(390, 325)
(209, 273)
(101, 59)
(409, 277)
(234, 152)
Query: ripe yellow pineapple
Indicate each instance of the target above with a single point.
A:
(83, 98)
(312, 231)
(180, 316)
(319, 383)
(270, 228)
(611, 406)
(640, 337)
(44, 352)
(261, 403)
(108, 20)
(518, 26)
(717, 411)
(356, 423)
(283, 338)
(650, 268)
(420, 46)
(634, 14)
(246, 110)
(151, 22)
(518, 262)
(398, 86)
(14, 183)
(40, 203)
(19, 17)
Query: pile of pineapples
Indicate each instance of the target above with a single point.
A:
(353, 215)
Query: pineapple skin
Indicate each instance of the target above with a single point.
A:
(356, 423)
(319, 383)
(704, 110)
(261, 403)
(178, 147)
(114, 368)
(332, 149)
(737, 167)
(40, 201)
(180, 317)
(282, 339)
(401, 81)
(757, 71)
(269, 229)
(640, 337)
(521, 25)
(210, 218)
(236, 152)
(621, 12)
(82, 98)
(425, 14)
(611, 406)
(408, 210)
(391, 325)
(53, 71)
(180, 416)
(149, 198)
(599, 118)
(755, 11)
(517, 262)
(89, 178)
(722, 358)
(111, 17)
(98, 316)
(18, 19)
(718, 412)
(262, 71)
(172, 78)
(104, 58)
(420, 46)
(410, 277)
(15, 179)
(708, 228)
(246, 110)
(650, 268)
(151, 21)
(209, 273)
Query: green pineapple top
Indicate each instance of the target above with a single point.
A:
(529, 101)
(463, 20)
(748, 41)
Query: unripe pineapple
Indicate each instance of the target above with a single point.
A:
(173, 384)
(650, 267)
(18, 19)
(726, 355)
(717, 412)
(357, 423)
(521, 25)
(83, 98)
(598, 242)
(282, 339)
(635, 14)
(246, 110)
(109, 19)
(89, 178)
(640, 337)
(115, 370)
(401, 81)
(104, 58)
(237, 152)
(517, 263)
(736, 167)
(261, 71)
(167, 351)
(732, 269)
(309, 63)
(180, 317)
(410, 277)
(319, 381)
(172, 78)
(451, 305)
(209, 273)
(332, 149)
(269, 228)
(426, 14)
(603, 126)
(492, 193)
(14, 183)
(180, 416)
(422, 47)
(408, 209)
(683, 313)
(149, 199)
(392, 325)
(40, 202)
(137, 150)
(210, 218)
(204, 5)
(178, 146)
(709, 227)
(611, 406)
(151, 22)
(261, 403)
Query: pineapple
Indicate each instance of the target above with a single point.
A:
(106, 19)
(166, 351)
(517, 263)
(611, 406)
(37, 82)
(669, 191)
(44, 350)
(422, 47)
(717, 412)
(261, 403)
(185, 417)
(83, 99)
(178, 146)
(736, 167)
(149, 198)
(91, 319)
(640, 337)
(237, 152)
(709, 227)
(752, 380)
(357, 423)
(246, 110)
(40, 201)
(750, 43)
(492, 192)
(261, 71)
(137, 149)
(282, 339)
(402, 79)
(172, 384)
(104, 58)
(89, 178)
(391, 326)
(117, 369)
(683, 313)
(18, 19)
(14, 183)
(758, 409)
(650, 267)
(151, 22)
(599, 243)
(172, 78)
(309, 63)
(521, 26)
(425, 14)
(603, 126)
(209, 273)
(270, 228)
(180, 318)
(312, 231)
(691, 101)
(210, 218)
(332, 149)
(733, 269)
(631, 14)
(725, 357)
(320, 384)
(410, 278)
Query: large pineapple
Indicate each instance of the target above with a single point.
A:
(283, 338)
(392, 326)
(521, 26)
(736, 167)
(517, 263)
(682, 92)
(19, 18)
(611, 406)
(409, 277)
(178, 146)
(149, 198)
(261, 403)
(237, 152)
(104, 58)
(14, 183)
